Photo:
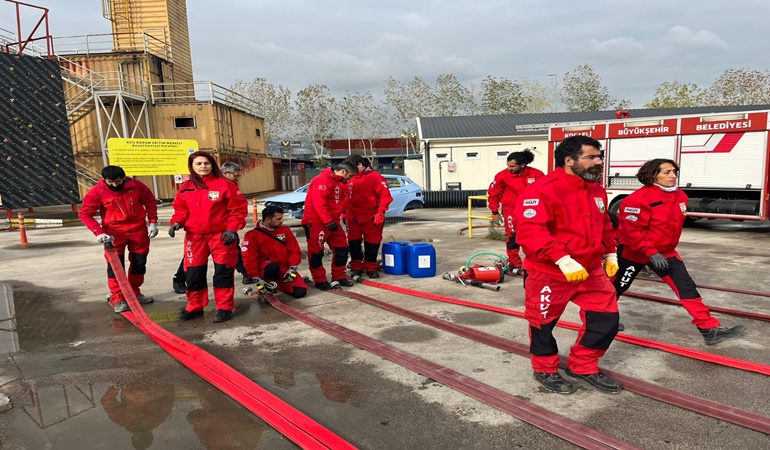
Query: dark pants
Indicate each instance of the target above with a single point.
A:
(676, 277)
(179, 276)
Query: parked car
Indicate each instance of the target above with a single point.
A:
(406, 195)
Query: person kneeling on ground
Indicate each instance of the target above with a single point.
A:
(271, 253)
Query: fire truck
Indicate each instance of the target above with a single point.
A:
(723, 159)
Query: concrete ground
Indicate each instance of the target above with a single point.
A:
(76, 375)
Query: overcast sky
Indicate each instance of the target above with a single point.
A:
(356, 45)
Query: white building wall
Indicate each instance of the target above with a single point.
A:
(476, 161)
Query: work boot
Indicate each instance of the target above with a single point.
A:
(180, 287)
(247, 280)
(715, 335)
(344, 282)
(554, 382)
(373, 274)
(143, 299)
(222, 315)
(356, 274)
(121, 306)
(184, 314)
(621, 327)
(324, 286)
(598, 380)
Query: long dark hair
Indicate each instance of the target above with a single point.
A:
(194, 177)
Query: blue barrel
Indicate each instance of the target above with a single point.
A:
(394, 258)
(422, 260)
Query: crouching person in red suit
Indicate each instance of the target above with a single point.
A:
(271, 253)
(211, 210)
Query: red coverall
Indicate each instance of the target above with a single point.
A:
(651, 221)
(561, 215)
(325, 201)
(268, 254)
(122, 213)
(369, 196)
(205, 214)
(505, 188)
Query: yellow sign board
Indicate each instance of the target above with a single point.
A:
(140, 157)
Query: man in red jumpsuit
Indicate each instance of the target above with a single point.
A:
(651, 221)
(566, 235)
(123, 203)
(325, 201)
(369, 198)
(504, 190)
(211, 209)
(271, 253)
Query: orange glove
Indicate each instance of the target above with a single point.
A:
(611, 264)
(379, 219)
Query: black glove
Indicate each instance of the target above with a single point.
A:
(229, 237)
(172, 230)
(332, 226)
(290, 274)
(265, 287)
(659, 261)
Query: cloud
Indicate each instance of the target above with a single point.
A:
(699, 39)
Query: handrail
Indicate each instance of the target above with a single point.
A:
(202, 92)
(87, 174)
(145, 41)
(471, 216)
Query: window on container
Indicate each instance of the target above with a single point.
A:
(442, 155)
(502, 154)
(472, 155)
(184, 122)
(259, 133)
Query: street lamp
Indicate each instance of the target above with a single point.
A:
(555, 90)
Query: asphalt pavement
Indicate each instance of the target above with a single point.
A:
(75, 375)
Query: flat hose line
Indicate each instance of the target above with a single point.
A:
(553, 423)
(699, 405)
(713, 288)
(727, 311)
(649, 343)
(287, 420)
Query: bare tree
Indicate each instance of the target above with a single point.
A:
(450, 97)
(274, 105)
(408, 101)
(315, 117)
(501, 96)
(673, 94)
(583, 90)
(538, 97)
(740, 87)
(367, 120)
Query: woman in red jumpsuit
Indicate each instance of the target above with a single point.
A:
(211, 210)
(651, 221)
